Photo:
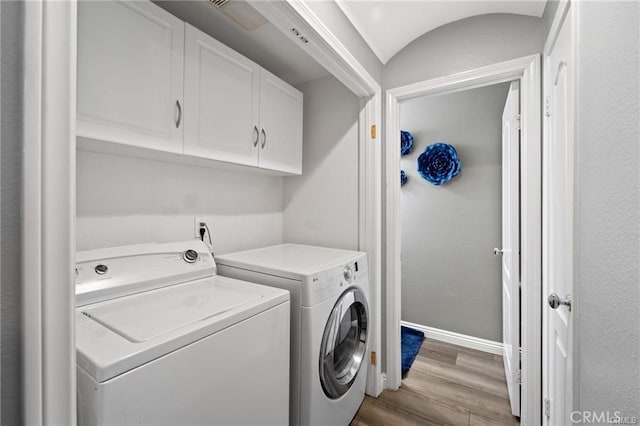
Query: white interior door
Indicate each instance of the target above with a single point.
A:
(558, 232)
(511, 244)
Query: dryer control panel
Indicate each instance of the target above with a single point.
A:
(328, 283)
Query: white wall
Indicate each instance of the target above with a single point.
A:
(608, 208)
(321, 206)
(451, 279)
(123, 200)
(12, 15)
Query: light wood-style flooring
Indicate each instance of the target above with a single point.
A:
(447, 385)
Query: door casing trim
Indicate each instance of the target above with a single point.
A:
(48, 204)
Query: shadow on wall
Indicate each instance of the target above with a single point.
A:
(114, 185)
(124, 200)
(321, 206)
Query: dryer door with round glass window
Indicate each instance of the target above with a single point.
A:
(344, 343)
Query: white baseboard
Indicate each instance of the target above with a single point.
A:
(463, 340)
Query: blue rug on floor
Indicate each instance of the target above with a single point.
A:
(411, 340)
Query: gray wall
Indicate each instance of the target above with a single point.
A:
(608, 208)
(451, 279)
(11, 14)
(321, 206)
(463, 45)
(124, 200)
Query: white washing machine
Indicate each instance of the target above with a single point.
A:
(162, 340)
(329, 323)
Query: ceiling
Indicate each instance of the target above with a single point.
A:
(388, 26)
(266, 45)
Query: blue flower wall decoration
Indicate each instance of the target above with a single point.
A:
(439, 163)
(403, 177)
(406, 142)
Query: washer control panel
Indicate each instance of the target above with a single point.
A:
(103, 274)
(190, 256)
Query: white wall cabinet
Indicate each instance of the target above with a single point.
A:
(238, 111)
(222, 94)
(130, 74)
(280, 125)
(135, 60)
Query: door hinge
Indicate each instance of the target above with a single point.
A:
(547, 408)
(518, 122)
(373, 131)
(519, 377)
(547, 106)
(373, 358)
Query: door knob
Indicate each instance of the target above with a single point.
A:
(496, 250)
(555, 301)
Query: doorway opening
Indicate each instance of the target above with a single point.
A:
(460, 247)
(521, 234)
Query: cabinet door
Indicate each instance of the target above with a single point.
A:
(222, 98)
(281, 120)
(130, 74)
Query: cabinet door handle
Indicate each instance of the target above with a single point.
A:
(264, 138)
(179, 114)
(255, 142)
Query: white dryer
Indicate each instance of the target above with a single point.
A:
(162, 340)
(329, 323)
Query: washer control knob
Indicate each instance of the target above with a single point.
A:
(101, 269)
(348, 273)
(190, 256)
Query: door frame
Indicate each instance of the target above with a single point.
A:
(528, 71)
(48, 201)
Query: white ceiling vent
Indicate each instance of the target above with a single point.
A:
(240, 12)
(219, 3)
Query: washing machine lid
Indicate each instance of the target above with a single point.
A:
(293, 261)
(115, 336)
